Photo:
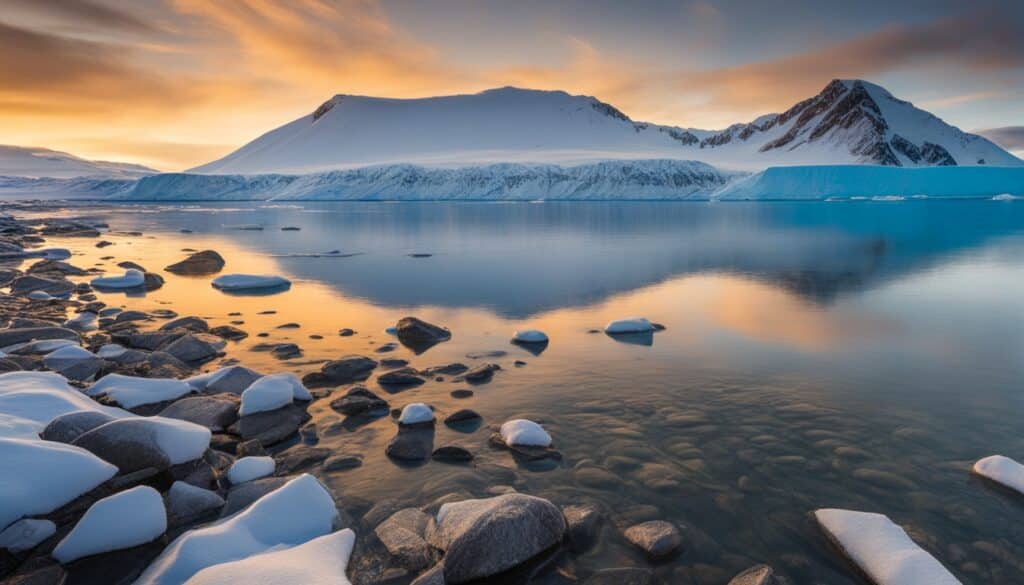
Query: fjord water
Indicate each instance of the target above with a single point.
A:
(858, 355)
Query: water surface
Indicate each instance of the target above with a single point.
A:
(857, 355)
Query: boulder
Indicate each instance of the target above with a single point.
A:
(489, 536)
(215, 412)
(348, 369)
(232, 379)
(244, 494)
(359, 401)
(52, 286)
(657, 538)
(403, 535)
(419, 335)
(194, 324)
(68, 427)
(582, 524)
(131, 444)
(187, 503)
(205, 262)
(402, 378)
(411, 444)
(14, 336)
(195, 347)
(271, 427)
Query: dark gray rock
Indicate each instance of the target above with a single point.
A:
(462, 416)
(299, 458)
(621, 576)
(453, 369)
(486, 537)
(150, 340)
(195, 347)
(359, 401)
(229, 332)
(481, 373)
(348, 369)
(244, 494)
(232, 379)
(411, 444)
(187, 503)
(215, 412)
(129, 443)
(418, 335)
(286, 351)
(128, 316)
(68, 427)
(451, 454)
(434, 576)
(403, 535)
(342, 462)
(271, 427)
(402, 378)
(194, 324)
(657, 538)
(30, 283)
(205, 262)
(14, 336)
(152, 281)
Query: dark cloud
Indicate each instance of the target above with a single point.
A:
(1009, 137)
(87, 12)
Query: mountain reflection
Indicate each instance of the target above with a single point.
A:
(522, 259)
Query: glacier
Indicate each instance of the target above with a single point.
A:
(875, 182)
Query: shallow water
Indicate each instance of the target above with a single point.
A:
(857, 355)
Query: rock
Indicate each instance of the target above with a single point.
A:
(342, 462)
(657, 538)
(187, 503)
(205, 262)
(131, 279)
(621, 576)
(128, 264)
(15, 336)
(244, 494)
(461, 393)
(435, 576)
(130, 443)
(582, 524)
(194, 324)
(68, 427)
(232, 379)
(126, 316)
(360, 401)
(56, 268)
(758, 575)
(419, 335)
(451, 454)
(271, 427)
(346, 332)
(486, 537)
(251, 283)
(152, 281)
(393, 363)
(462, 416)
(73, 362)
(300, 458)
(416, 414)
(452, 369)
(286, 351)
(250, 448)
(25, 284)
(402, 378)
(403, 534)
(229, 332)
(195, 347)
(214, 412)
(348, 369)
(482, 373)
(411, 444)
(149, 340)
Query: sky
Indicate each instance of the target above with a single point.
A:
(176, 83)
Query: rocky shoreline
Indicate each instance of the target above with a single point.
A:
(177, 450)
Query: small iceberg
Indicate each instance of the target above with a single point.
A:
(1002, 470)
(131, 278)
(251, 283)
(524, 433)
(1005, 197)
(630, 325)
(881, 549)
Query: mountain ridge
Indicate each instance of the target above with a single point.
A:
(848, 122)
(36, 162)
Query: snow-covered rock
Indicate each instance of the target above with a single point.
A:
(30, 400)
(881, 549)
(73, 362)
(525, 433)
(41, 346)
(176, 440)
(131, 279)
(123, 520)
(85, 321)
(270, 393)
(320, 561)
(870, 181)
(298, 512)
(130, 391)
(530, 336)
(630, 325)
(111, 351)
(41, 295)
(233, 379)
(250, 468)
(37, 477)
(242, 282)
(25, 534)
(416, 413)
(1002, 470)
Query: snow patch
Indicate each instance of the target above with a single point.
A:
(525, 433)
(123, 520)
(320, 561)
(132, 278)
(415, 413)
(1002, 470)
(250, 468)
(630, 325)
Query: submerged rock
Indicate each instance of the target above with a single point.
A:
(621, 576)
(758, 575)
(657, 538)
(205, 262)
(482, 373)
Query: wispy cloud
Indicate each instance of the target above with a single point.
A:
(1009, 137)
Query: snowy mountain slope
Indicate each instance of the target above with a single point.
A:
(20, 161)
(641, 179)
(849, 122)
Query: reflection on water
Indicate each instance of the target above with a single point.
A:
(841, 355)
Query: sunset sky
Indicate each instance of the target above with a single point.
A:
(175, 83)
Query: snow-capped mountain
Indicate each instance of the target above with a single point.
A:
(849, 122)
(20, 161)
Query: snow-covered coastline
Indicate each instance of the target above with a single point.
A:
(651, 180)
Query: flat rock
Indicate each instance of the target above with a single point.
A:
(194, 324)
(271, 427)
(359, 401)
(481, 373)
(411, 444)
(419, 335)
(14, 336)
(187, 503)
(214, 412)
(451, 454)
(402, 534)
(195, 347)
(342, 462)
(300, 458)
(229, 332)
(404, 377)
(348, 369)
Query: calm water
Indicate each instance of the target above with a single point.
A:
(857, 355)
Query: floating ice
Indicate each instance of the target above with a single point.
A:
(630, 325)
(241, 282)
